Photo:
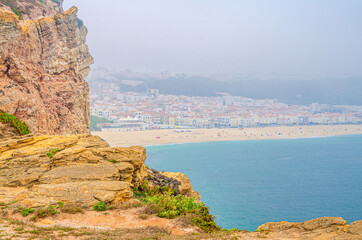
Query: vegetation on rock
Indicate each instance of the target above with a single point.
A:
(52, 152)
(17, 12)
(26, 211)
(100, 206)
(19, 125)
(167, 203)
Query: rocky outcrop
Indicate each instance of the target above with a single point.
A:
(324, 228)
(155, 178)
(37, 171)
(43, 62)
(185, 187)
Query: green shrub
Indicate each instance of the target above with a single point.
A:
(100, 206)
(60, 204)
(164, 202)
(26, 211)
(52, 152)
(52, 210)
(112, 161)
(19, 125)
(18, 13)
(143, 190)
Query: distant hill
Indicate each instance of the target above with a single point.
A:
(337, 91)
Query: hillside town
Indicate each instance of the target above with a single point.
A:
(132, 111)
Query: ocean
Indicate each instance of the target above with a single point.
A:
(248, 183)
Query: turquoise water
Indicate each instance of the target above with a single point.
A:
(248, 183)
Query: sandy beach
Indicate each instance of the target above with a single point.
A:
(160, 137)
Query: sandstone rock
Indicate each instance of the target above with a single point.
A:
(126, 170)
(185, 188)
(7, 131)
(43, 62)
(279, 226)
(314, 224)
(84, 194)
(80, 174)
(323, 222)
(356, 228)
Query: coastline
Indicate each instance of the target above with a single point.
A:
(167, 137)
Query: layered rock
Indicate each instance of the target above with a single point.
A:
(43, 62)
(81, 171)
(331, 228)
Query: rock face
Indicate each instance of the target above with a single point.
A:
(82, 172)
(43, 62)
(322, 228)
(185, 187)
(33, 9)
(7, 130)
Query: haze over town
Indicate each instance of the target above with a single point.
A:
(225, 63)
(256, 39)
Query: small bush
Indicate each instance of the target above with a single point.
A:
(71, 209)
(100, 206)
(51, 210)
(18, 13)
(143, 190)
(112, 161)
(40, 213)
(134, 203)
(9, 118)
(52, 152)
(26, 211)
(60, 204)
(164, 202)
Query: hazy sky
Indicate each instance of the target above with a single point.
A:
(263, 38)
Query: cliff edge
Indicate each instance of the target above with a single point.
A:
(43, 61)
(80, 170)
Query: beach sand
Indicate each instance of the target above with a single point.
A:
(161, 137)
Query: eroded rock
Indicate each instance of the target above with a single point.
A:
(81, 172)
(43, 61)
(185, 187)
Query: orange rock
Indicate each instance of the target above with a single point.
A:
(43, 62)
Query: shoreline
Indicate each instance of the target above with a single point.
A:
(169, 137)
(271, 139)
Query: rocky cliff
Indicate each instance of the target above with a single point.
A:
(37, 171)
(43, 61)
(81, 170)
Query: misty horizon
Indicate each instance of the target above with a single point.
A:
(256, 39)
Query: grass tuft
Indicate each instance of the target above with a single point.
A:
(9, 118)
(51, 153)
